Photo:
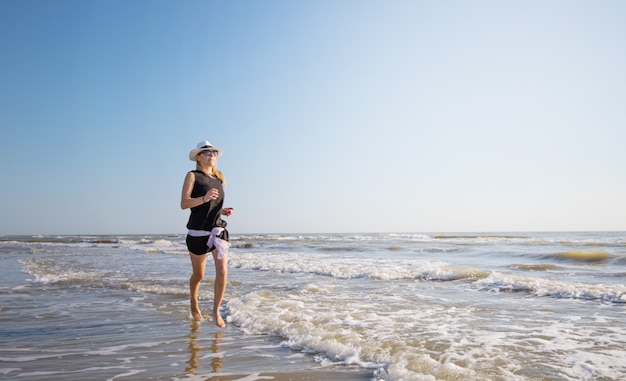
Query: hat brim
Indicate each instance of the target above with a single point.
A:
(195, 152)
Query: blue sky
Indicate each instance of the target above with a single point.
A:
(334, 116)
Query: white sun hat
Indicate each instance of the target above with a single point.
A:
(204, 145)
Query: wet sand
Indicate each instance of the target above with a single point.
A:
(229, 355)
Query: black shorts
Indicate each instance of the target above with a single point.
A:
(198, 245)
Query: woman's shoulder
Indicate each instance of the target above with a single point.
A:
(202, 176)
(197, 172)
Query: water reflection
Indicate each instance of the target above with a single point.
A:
(195, 350)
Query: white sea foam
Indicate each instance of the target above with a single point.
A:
(499, 282)
(6, 371)
(420, 340)
(127, 374)
(46, 270)
(349, 267)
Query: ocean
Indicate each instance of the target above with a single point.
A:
(384, 307)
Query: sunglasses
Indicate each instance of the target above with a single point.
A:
(210, 153)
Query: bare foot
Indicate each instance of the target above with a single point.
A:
(218, 320)
(196, 315)
(195, 311)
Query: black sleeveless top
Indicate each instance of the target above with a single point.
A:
(208, 215)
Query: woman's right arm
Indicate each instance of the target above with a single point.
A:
(185, 200)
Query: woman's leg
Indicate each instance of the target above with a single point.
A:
(221, 274)
(198, 264)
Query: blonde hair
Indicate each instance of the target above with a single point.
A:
(213, 172)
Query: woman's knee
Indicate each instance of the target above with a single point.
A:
(198, 273)
(197, 276)
(221, 270)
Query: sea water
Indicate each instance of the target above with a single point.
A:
(479, 306)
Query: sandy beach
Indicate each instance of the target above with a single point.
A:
(227, 354)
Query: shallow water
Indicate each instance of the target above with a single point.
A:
(514, 306)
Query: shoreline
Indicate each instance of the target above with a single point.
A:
(227, 354)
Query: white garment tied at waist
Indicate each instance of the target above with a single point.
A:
(220, 245)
